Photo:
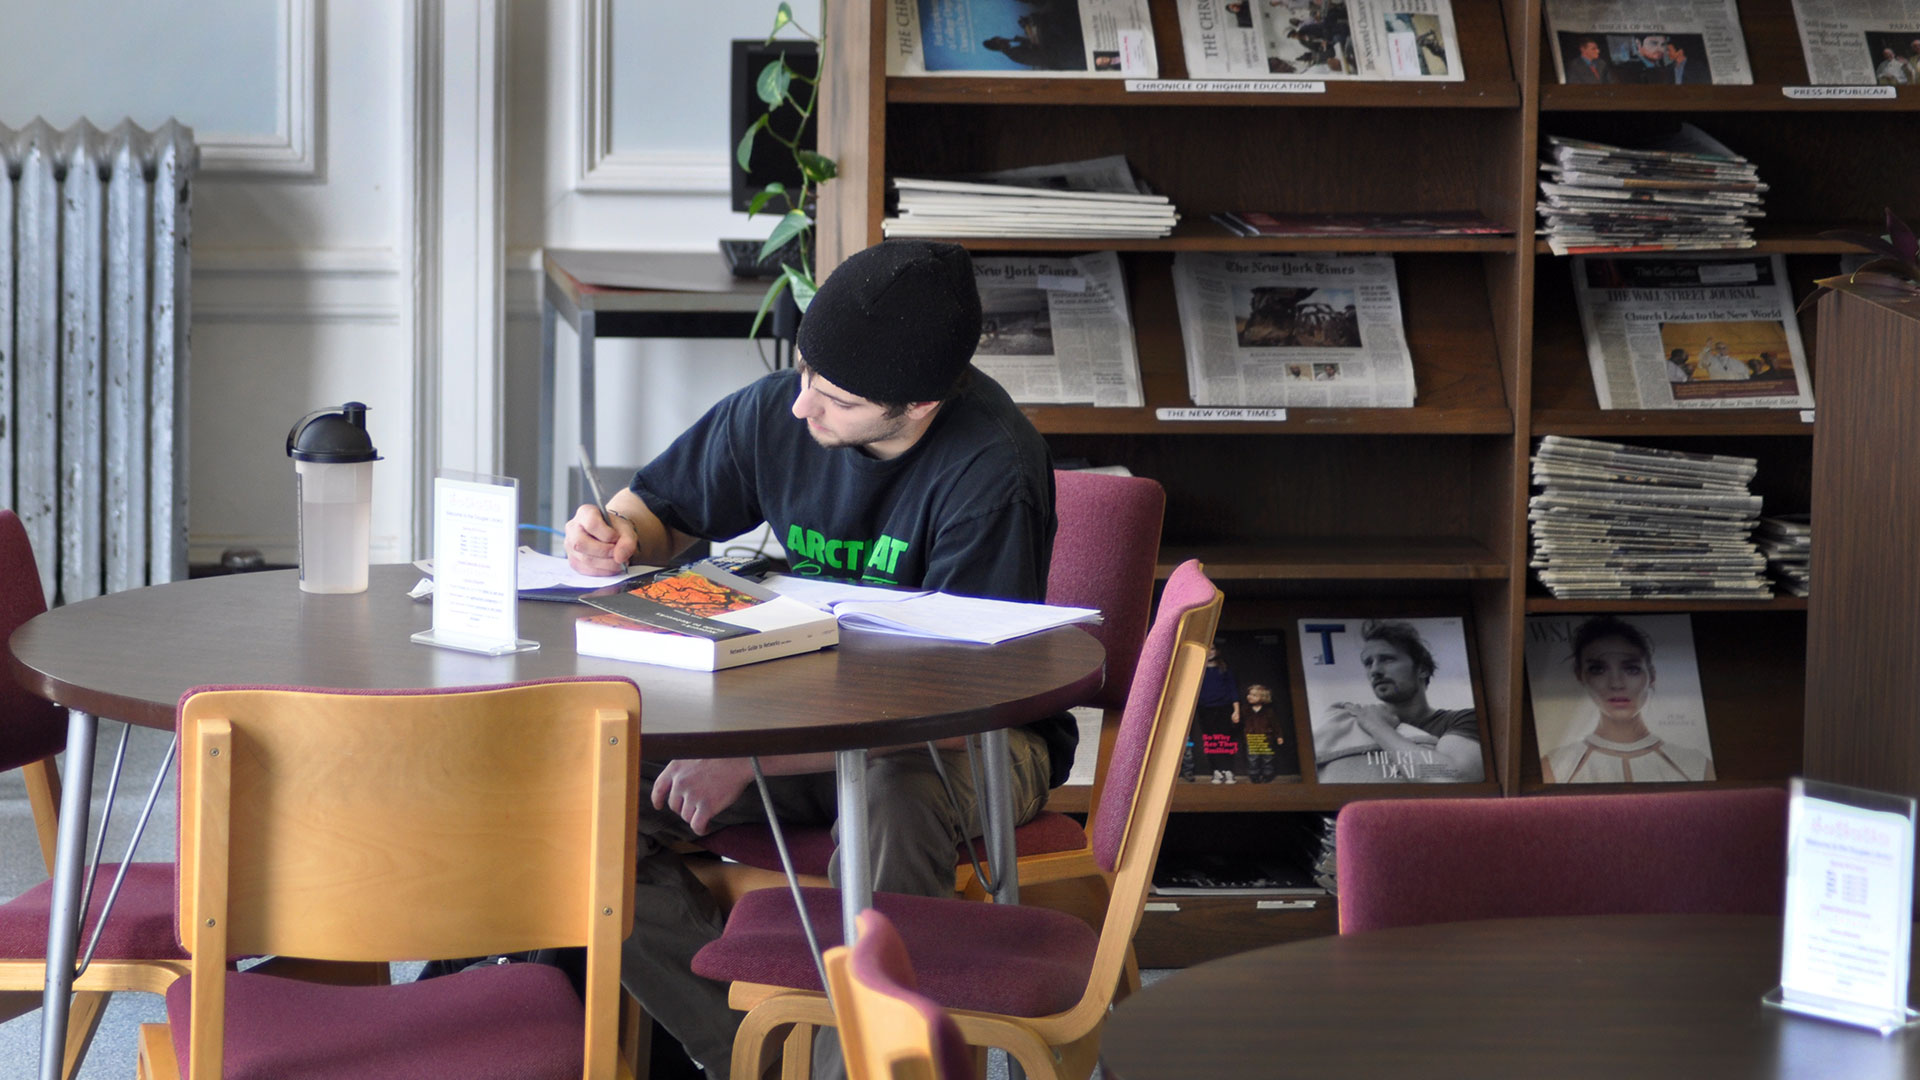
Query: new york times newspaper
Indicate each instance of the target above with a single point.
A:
(1850, 43)
(1013, 38)
(1320, 39)
(1056, 331)
(1312, 330)
(1691, 332)
(1648, 42)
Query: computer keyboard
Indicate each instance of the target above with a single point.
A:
(743, 258)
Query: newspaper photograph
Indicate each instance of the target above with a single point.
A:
(1047, 38)
(1848, 43)
(1648, 42)
(1055, 331)
(1701, 332)
(1320, 39)
(1304, 331)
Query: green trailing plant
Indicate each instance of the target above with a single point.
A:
(1893, 273)
(777, 85)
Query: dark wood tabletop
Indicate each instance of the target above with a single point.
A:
(129, 656)
(1641, 996)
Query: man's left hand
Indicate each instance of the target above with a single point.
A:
(1376, 720)
(699, 788)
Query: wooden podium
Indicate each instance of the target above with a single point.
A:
(1863, 618)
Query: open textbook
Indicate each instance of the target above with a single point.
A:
(1051, 38)
(926, 614)
(1320, 39)
(1851, 43)
(1054, 330)
(1691, 332)
(1648, 42)
(1292, 330)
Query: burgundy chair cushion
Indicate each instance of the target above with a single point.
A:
(998, 958)
(1416, 861)
(812, 845)
(505, 1022)
(880, 962)
(1187, 590)
(1104, 553)
(140, 928)
(31, 727)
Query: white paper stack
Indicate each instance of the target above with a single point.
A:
(1686, 192)
(1613, 521)
(1079, 199)
(1787, 542)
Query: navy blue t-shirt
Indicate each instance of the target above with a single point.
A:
(968, 509)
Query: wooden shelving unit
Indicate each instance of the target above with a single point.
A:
(1336, 509)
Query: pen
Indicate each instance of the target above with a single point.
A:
(593, 482)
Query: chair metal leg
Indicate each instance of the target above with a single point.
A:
(63, 924)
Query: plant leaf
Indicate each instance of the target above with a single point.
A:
(792, 224)
(766, 304)
(760, 198)
(1905, 245)
(744, 152)
(803, 287)
(781, 18)
(1866, 241)
(816, 167)
(772, 84)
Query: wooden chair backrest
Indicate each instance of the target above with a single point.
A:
(409, 825)
(883, 1036)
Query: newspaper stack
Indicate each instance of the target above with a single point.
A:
(1076, 199)
(1787, 542)
(1686, 192)
(1614, 522)
(1326, 863)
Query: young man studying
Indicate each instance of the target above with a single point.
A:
(886, 458)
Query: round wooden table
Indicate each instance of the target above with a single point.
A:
(1642, 996)
(130, 656)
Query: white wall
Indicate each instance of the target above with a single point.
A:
(308, 215)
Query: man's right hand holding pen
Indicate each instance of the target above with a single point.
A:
(600, 544)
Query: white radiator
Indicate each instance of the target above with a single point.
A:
(94, 262)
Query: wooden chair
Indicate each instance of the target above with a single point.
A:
(1417, 861)
(137, 951)
(1035, 982)
(405, 825)
(890, 1031)
(1104, 553)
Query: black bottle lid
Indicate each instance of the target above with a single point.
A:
(335, 436)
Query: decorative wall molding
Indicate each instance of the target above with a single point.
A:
(296, 149)
(304, 286)
(601, 168)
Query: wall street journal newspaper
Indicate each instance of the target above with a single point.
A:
(1648, 42)
(1013, 38)
(1056, 331)
(1311, 330)
(1320, 39)
(1699, 332)
(1849, 43)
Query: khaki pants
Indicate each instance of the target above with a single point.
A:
(912, 827)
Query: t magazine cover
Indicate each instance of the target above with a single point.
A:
(1243, 725)
(1616, 699)
(1391, 700)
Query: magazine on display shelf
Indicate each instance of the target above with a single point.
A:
(1616, 699)
(1022, 38)
(1320, 39)
(1648, 42)
(1847, 43)
(1391, 701)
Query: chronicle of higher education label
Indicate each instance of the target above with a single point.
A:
(1228, 86)
(1825, 93)
(1218, 414)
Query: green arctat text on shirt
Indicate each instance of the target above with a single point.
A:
(812, 553)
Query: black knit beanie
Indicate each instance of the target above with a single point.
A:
(896, 323)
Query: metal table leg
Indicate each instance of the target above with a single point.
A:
(543, 483)
(856, 857)
(63, 927)
(1001, 854)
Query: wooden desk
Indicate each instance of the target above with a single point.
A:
(1642, 996)
(696, 297)
(130, 656)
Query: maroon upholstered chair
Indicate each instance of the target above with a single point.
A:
(1415, 861)
(137, 951)
(1035, 982)
(1104, 554)
(888, 1028)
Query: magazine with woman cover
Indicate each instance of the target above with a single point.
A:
(1016, 38)
(1320, 39)
(1391, 701)
(1616, 699)
(1314, 330)
(1691, 332)
(1648, 43)
(1054, 329)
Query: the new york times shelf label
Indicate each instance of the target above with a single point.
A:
(1218, 414)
